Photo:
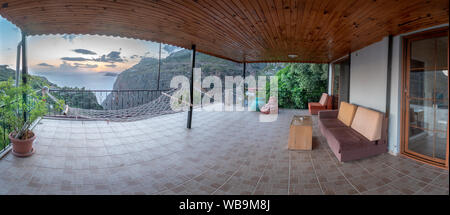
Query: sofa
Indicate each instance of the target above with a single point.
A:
(325, 103)
(354, 132)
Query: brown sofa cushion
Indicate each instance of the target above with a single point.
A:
(368, 123)
(315, 104)
(332, 123)
(323, 99)
(346, 113)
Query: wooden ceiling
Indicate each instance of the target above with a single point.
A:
(241, 30)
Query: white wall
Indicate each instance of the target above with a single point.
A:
(368, 76)
(394, 115)
(368, 82)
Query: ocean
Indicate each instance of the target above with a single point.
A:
(90, 81)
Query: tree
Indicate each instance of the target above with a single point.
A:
(300, 83)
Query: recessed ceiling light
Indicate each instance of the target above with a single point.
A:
(292, 56)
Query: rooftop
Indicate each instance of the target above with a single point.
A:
(225, 153)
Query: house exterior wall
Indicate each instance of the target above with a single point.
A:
(368, 76)
(368, 82)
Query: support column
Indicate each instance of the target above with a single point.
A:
(19, 47)
(24, 70)
(243, 75)
(389, 74)
(159, 66)
(328, 79)
(244, 69)
(349, 74)
(191, 88)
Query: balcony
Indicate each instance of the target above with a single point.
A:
(226, 153)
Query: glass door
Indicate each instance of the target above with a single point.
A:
(426, 93)
(341, 82)
(335, 85)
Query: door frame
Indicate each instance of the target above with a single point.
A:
(339, 61)
(404, 125)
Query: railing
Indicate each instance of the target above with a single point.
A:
(5, 129)
(102, 99)
(124, 99)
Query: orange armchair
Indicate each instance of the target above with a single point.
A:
(325, 103)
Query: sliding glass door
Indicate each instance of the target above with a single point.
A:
(340, 82)
(426, 97)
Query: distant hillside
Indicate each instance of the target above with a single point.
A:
(144, 75)
(6, 73)
(73, 99)
(111, 74)
(37, 82)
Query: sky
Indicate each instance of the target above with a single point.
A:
(58, 54)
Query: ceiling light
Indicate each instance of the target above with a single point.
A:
(292, 56)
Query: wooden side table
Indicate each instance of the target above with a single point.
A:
(300, 133)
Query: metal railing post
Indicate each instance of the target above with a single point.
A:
(24, 71)
(191, 89)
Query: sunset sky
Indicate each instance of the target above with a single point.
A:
(74, 53)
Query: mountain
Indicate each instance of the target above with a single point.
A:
(6, 73)
(144, 75)
(36, 82)
(111, 74)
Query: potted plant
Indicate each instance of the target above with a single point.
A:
(21, 106)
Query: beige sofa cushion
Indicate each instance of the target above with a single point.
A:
(368, 123)
(346, 113)
(323, 99)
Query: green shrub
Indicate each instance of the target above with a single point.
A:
(300, 83)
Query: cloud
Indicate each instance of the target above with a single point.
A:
(111, 65)
(66, 68)
(112, 57)
(88, 66)
(74, 59)
(45, 65)
(84, 51)
(69, 37)
(134, 56)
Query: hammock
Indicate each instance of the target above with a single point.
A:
(157, 107)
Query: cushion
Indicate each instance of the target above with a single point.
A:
(348, 139)
(368, 123)
(315, 104)
(323, 99)
(332, 123)
(346, 113)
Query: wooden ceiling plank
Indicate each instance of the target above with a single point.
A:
(239, 30)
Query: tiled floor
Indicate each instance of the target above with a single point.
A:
(224, 153)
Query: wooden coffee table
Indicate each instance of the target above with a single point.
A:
(300, 133)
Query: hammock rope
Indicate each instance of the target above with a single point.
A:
(156, 107)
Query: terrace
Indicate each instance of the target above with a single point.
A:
(227, 153)
(388, 56)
